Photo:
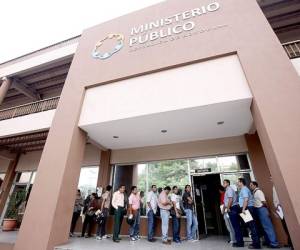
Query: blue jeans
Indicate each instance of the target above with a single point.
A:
(164, 214)
(151, 224)
(229, 227)
(135, 227)
(235, 222)
(176, 228)
(191, 224)
(263, 216)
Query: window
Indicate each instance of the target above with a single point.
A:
(23, 177)
(234, 178)
(243, 161)
(88, 180)
(164, 173)
(228, 163)
(19, 195)
(210, 164)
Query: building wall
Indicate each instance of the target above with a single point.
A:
(232, 29)
(262, 176)
(30, 161)
(180, 150)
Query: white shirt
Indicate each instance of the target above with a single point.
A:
(152, 198)
(175, 198)
(118, 200)
(259, 197)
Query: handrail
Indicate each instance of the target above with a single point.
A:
(29, 108)
(292, 49)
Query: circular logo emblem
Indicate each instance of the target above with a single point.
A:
(119, 45)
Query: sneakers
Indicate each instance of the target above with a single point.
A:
(98, 238)
(105, 237)
(166, 242)
(132, 238)
(71, 235)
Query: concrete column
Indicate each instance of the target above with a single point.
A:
(275, 86)
(8, 181)
(262, 175)
(105, 169)
(47, 218)
(6, 83)
(135, 177)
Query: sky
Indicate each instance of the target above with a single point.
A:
(29, 25)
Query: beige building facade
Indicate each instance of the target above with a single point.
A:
(177, 80)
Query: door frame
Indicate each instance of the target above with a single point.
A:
(192, 175)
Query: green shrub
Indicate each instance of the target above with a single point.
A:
(15, 201)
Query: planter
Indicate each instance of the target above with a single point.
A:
(9, 224)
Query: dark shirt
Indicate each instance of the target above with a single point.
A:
(186, 204)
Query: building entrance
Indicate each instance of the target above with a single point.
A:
(207, 204)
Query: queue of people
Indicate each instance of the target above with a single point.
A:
(252, 204)
(169, 202)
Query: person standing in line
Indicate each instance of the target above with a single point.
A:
(152, 202)
(227, 221)
(134, 202)
(76, 211)
(118, 203)
(246, 202)
(176, 214)
(105, 206)
(262, 213)
(278, 207)
(90, 215)
(165, 205)
(191, 218)
(232, 209)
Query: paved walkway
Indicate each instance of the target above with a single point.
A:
(8, 237)
(210, 243)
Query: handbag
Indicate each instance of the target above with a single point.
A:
(172, 212)
(100, 218)
(90, 213)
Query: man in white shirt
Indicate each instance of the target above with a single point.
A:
(118, 203)
(262, 213)
(152, 203)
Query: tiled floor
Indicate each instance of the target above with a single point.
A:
(211, 243)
